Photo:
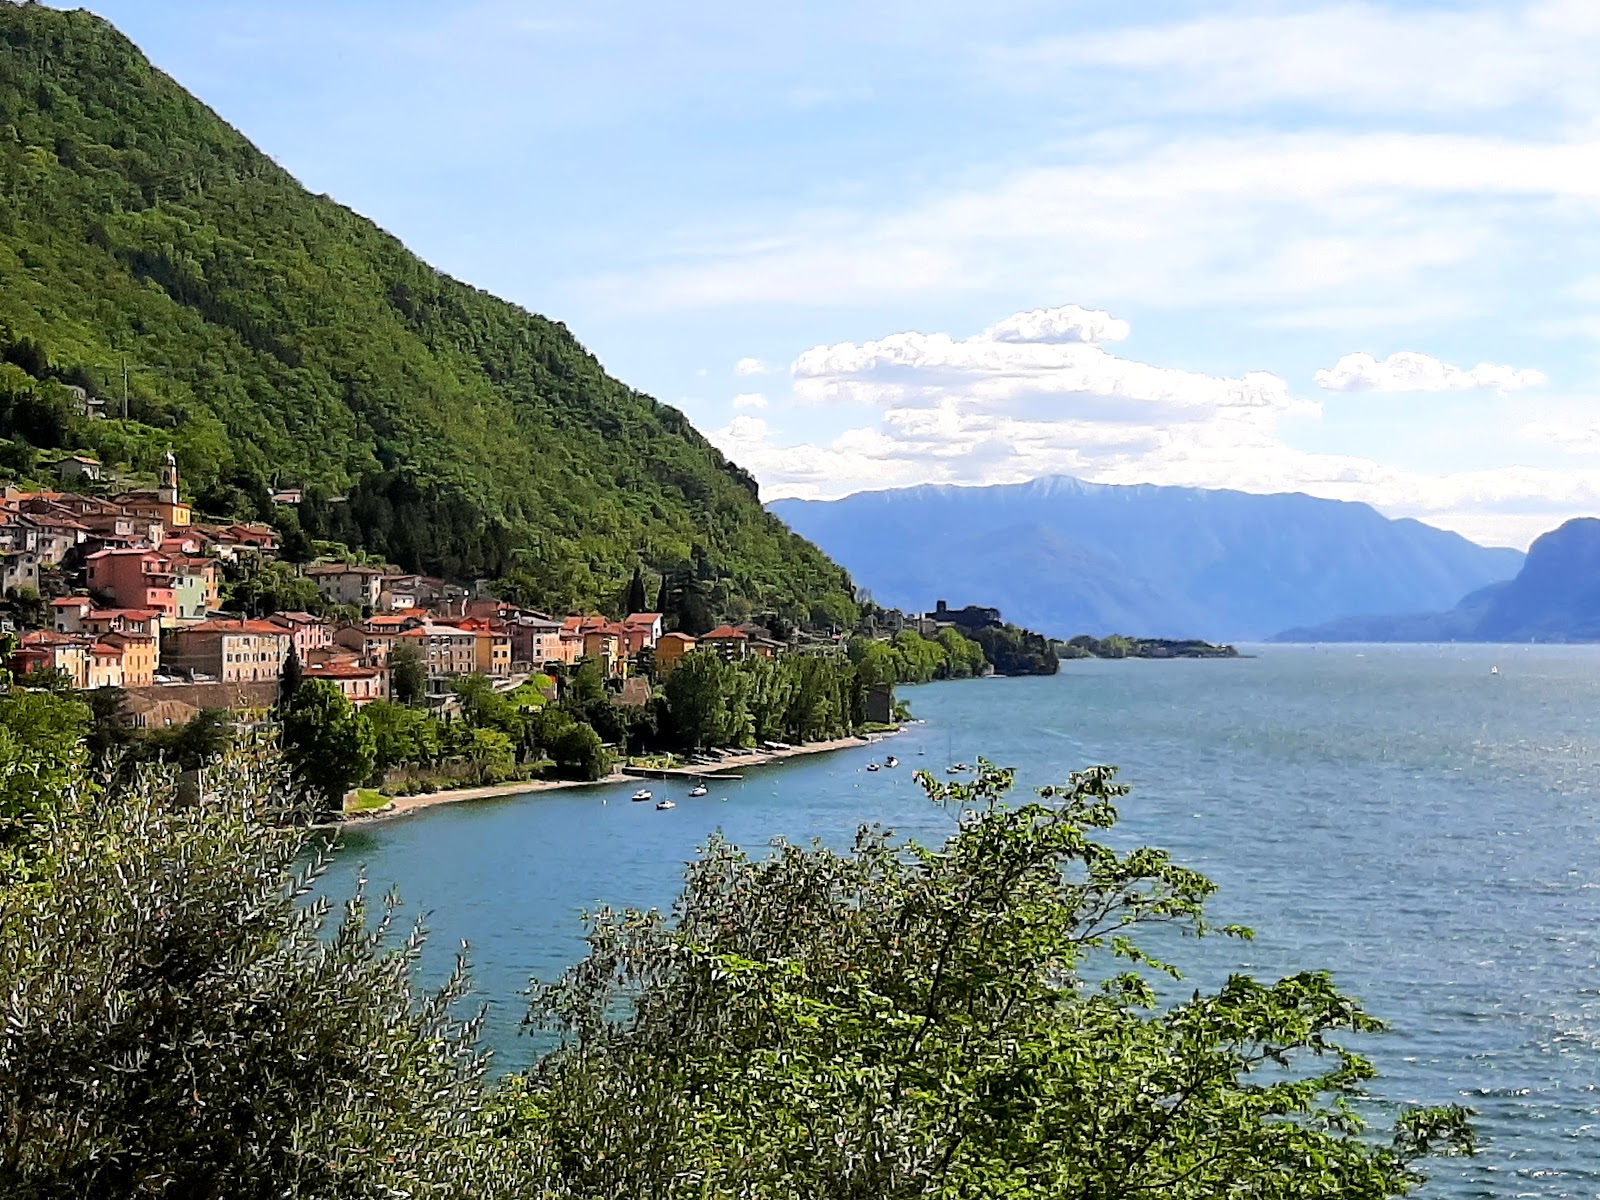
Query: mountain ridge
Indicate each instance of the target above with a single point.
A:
(1554, 598)
(1143, 559)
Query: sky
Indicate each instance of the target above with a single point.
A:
(1350, 249)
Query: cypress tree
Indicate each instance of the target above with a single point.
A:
(291, 678)
(636, 597)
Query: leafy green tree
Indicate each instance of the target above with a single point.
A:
(963, 656)
(41, 760)
(181, 1021)
(408, 674)
(327, 743)
(196, 743)
(401, 735)
(579, 753)
(493, 753)
(111, 725)
(965, 1021)
(695, 692)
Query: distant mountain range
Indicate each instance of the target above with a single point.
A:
(1555, 598)
(1067, 557)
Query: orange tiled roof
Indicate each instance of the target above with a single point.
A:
(726, 633)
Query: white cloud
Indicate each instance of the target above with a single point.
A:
(981, 411)
(1409, 371)
(1310, 219)
(749, 400)
(1348, 57)
(751, 366)
(1034, 365)
(1068, 323)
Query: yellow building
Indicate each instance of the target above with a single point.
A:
(670, 647)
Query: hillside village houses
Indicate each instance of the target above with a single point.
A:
(134, 588)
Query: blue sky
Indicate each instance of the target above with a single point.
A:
(866, 246)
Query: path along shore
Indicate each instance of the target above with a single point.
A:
(402, 805)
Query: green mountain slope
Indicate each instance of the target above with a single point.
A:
(275, 336)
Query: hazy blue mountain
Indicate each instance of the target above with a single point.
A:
(1555, 598)
(1066, 557)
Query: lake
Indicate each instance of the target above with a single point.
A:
(1426, 829)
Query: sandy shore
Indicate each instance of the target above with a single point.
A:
(402, 805)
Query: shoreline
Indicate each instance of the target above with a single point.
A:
(404, 805)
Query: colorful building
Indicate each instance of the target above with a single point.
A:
(360, 685)
(228, 650)
(670, 648)
(135, 579)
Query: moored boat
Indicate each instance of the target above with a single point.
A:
(642, 795)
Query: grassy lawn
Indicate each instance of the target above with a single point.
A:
(366, 800)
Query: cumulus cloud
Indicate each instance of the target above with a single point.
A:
(1409, 371)
(751, 366)
(1039, 365)
(750, 400)
(983, 410)
(1069, 323)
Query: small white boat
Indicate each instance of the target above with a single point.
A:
(891, 761)
(699, 789)
(872, 766)
(663, 805)
(1494, 670)
(642, 795)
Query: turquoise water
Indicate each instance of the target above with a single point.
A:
(1427, 830)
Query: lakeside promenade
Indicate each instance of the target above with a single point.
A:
(405, 805)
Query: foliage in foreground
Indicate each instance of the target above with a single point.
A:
(900, 1022)
(178, 1020)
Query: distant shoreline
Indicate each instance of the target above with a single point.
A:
(405, 805)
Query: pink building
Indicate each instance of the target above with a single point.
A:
(135, 579)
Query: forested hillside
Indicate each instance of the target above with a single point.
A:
(276, 337)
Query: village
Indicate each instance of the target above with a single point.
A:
(130, 596)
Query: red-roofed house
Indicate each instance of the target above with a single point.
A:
(229, 650)
(135, 579)
(45, 649)
(360, 685)
(727, 641)
(308, 633)
(642, 631)
(670, 649)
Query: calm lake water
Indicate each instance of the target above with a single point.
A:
(1425, 829)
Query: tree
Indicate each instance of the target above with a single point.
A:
(694, 693)
(408, 674)
(111, 725)
(579, 753)
(327, 743)
(635, 600)
(401, 735)
(959, 1022)
(180, 1021)
(291, 677)
(493, 753)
